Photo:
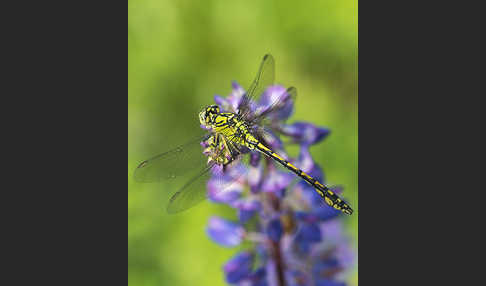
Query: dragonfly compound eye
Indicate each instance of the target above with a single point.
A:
(214, 109)
(207, 116)
(203, 117)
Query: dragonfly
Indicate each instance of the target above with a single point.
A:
(229, 136)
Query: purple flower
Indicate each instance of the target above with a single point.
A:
(276, 180)
(298, 278)
(273, 94)
(296, 237)
(239, 267)
(224, 232)
(255, 173)
(275, 229)
(258, 278)
(329, 282)
(247, 208)
(308, 234)
(231, 183)
(305, 133)
(232, 102)
(317, 215)
(226, 196)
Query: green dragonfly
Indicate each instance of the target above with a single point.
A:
(229, 136)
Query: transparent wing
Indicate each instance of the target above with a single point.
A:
(188, 161)
(264, 78)
(193, 192)
(173, 163)
(223, 180)
(276, 104)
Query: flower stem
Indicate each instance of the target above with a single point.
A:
(277, 255)
(279, 263)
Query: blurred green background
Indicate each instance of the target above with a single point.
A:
(181, 53)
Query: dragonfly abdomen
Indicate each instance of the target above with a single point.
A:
(328, 195)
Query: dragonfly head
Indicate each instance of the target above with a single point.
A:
(208, 115)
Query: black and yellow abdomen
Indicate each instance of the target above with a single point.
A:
(329, 196)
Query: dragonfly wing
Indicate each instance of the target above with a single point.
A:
(172, 164)
(222, 179)
(276, 105)
(193, 192)
(264, 78)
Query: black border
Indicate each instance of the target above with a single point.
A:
(68, 78)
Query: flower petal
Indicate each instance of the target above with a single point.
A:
(277, 180)
(221, 101)
(276, 103)
(305, 161)
(275, 229)
(236, 95)
(235, 171)
(225, 196)
(257, 278)
(224, 232)
(225, 186)
(223, 191)
(344, 254)
(246, 208)
(308, 233)
(332, 231)
(329, 282)
(318, 214)
(305, 133)
(272, 276)
(247, 204)
(238, 267)
(326, 212)
(255, 159)
(297, 277)
(272, 140)
(272, 94)
(244, 216)
(255, 175)
(324, 264)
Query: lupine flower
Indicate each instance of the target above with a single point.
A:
(296, 237)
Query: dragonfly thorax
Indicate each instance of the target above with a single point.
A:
(229, 125)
